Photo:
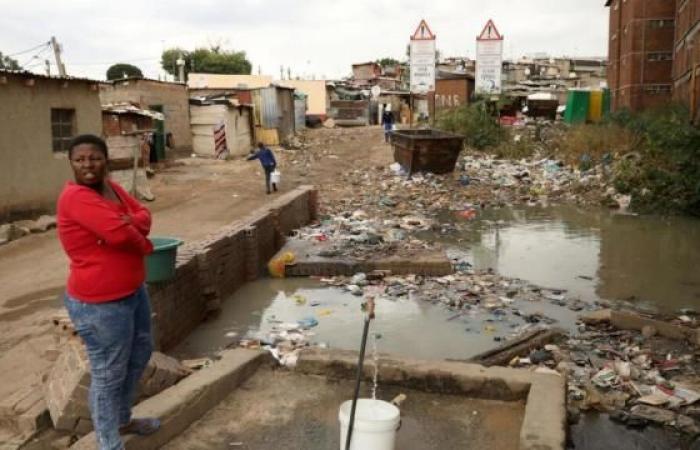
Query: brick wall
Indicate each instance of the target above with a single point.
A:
(172, 96)
(686, 57)
(640, 50)
(212, 269)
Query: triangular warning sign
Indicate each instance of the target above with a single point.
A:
(490, 33)
(423, 32)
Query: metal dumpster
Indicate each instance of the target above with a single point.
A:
(426, 150)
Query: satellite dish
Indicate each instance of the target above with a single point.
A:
(376, 90)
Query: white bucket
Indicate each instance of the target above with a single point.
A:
(275, 177)
(376, 422)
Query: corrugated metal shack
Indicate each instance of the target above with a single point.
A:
(350, 112)
(125, 127)
(274, 114)
(207, 113)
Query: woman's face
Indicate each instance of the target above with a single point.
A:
(89, 165)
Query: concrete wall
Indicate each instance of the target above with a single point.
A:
(32, 174)
(210, 270)
(218, 81)
(173, 97)
(451, 93)
(315, 91)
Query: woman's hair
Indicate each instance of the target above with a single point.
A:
(91, 139)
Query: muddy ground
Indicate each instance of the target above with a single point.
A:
(194, 197)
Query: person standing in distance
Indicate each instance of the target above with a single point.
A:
(268, 163)
(103, 231)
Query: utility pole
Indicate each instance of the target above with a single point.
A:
(181, 68)
(289, 73)
(48, 67)
(57, 55)
(281, 72)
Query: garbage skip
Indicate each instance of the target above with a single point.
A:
(426, 150)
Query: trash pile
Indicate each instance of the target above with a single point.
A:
(359, 236)
(638, 378)
(481, 296)
(544, 180)
(286, 339)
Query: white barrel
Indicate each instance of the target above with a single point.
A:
(376, 422)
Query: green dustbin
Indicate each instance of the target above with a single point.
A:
(160, 265)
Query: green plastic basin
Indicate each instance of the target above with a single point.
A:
(160, 265)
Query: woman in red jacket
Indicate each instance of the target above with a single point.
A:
(103, 231)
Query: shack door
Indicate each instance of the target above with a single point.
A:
(159, 137)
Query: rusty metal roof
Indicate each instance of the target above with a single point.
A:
(129, 108)
(27, 74)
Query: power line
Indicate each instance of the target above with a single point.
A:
(29, 50)
(36, 55)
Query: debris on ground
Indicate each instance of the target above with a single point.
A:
(639, 378)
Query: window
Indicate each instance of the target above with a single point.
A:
(664, 23)
(62, 128)
(659, 56)
(657, 89)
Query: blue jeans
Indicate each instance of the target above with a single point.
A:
(118, 340)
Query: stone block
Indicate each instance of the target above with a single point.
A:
(66, 389)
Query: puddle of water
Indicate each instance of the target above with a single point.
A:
(408, 327)
(651, 261)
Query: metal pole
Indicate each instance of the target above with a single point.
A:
(137, 150)
(358, 378)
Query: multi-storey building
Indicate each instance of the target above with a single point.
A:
(641, 45)
(654, 53)
(686, 56)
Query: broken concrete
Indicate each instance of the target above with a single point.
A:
(66, 390)
(24, 413)
(519, 346)
(626, 320)
(180, 405)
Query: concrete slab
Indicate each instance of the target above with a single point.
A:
(310, 263)
(180, 405)
(281, 409)
(544, 422)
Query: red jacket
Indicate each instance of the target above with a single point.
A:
(105, 249)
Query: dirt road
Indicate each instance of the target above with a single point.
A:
(194, 197)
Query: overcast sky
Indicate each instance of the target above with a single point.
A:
(313, 37)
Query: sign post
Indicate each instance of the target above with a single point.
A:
(422, 59)
(489, 60)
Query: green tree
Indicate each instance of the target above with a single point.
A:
(207, 60)
(8, 63)
(388, 62)
(123, 70)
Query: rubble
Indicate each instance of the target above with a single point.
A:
(66, 388)
(16, 230)
(639, 377)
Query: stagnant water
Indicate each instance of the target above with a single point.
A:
(650, 261)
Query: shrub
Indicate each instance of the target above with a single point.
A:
(475, 122)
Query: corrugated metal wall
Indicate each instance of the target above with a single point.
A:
(299, 114)
(269, 110)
